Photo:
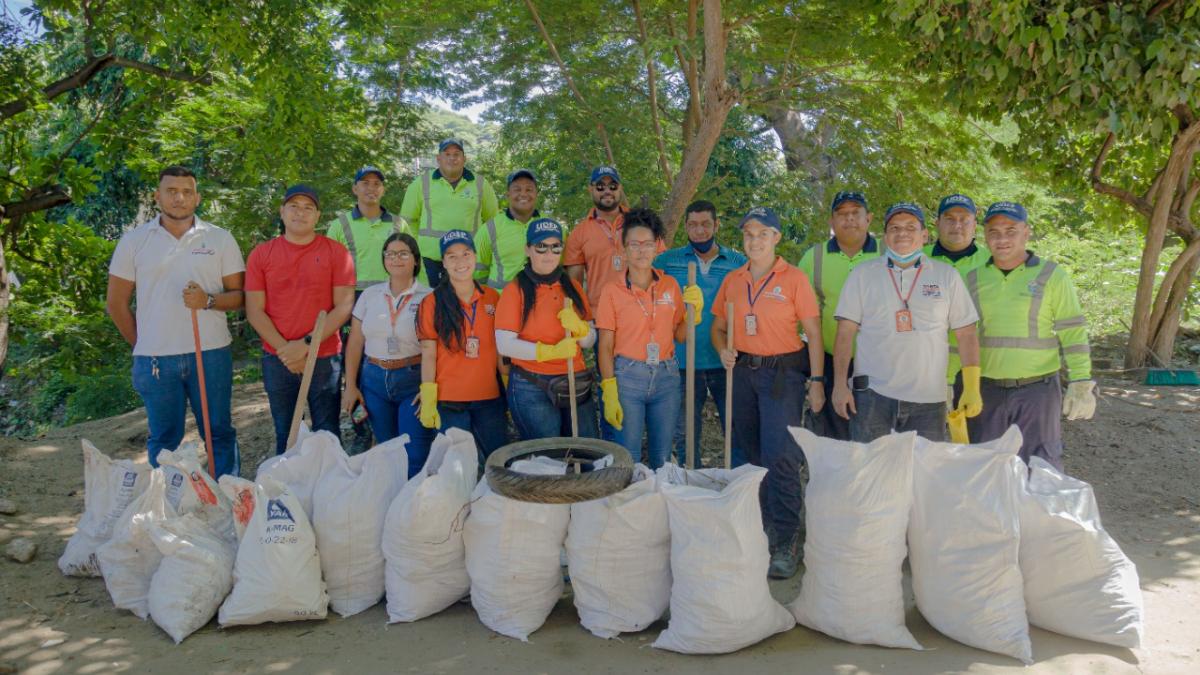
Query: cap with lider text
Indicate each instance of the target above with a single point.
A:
(367, 171)
(456, 237)
(904, 207)
(301, 190)
(521, 173)
(1011, 209)
(956, 201)
(763, 214)
(602, 172)
(449, 142)
(541, 229)
(848, 196)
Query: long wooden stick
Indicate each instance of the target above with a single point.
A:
(729, 327)
(571, 385)
(689, 410)
(208, 442)
(310, 364)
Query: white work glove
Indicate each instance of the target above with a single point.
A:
(1080, 402)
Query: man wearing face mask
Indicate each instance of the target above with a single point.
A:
(827, 264)
(501, 240)
(898, 310)
(713, 263)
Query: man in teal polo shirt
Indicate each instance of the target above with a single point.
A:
(364, 228)
(956, 245)
(713, 263)
(827, 266)
(501, 241)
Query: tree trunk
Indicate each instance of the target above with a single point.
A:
(5, 291)
(1175, 294)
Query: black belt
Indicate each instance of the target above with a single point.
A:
(780, 362)
(1013, 383)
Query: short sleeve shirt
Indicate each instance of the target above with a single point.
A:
(905, 365)
(639, 317)
(779, 301)
(542, 325)
(596, 245)
(298, 282)
(160, 266)
(385, 316)
(459, 378)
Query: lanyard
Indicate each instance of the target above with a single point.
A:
(612, 240)
(754, 299)
(393, 314)
(471, 318)
(904, 300)
(653, 308)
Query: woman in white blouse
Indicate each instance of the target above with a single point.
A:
(383, 327)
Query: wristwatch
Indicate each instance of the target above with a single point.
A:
(212, 301)
(817, 378)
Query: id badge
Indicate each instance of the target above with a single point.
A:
(751, 324)
(393, 344)
(652, 355)
(617, 262)
(903, 321)
(472, 347)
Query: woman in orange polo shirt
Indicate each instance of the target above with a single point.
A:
(770, 297)
(460, 385)
(640, 318)
(539, 334)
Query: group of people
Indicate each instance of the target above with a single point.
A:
(463, 315)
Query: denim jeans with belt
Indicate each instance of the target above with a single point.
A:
(388, 395)
(283, 388)
(536, 416)
(167, 384)
(649, 398)
(879, 415)
(483, 419)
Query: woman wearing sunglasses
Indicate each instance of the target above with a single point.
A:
(640, 318)
(383, 326)
(536, 329)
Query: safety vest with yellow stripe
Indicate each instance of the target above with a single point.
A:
(500, 249)
(364, 239)
(433, 207)
(827, 267)
(973, 256)
(1026, 317)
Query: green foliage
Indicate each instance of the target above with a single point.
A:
(101, 396)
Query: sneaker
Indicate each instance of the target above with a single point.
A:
(785, 559)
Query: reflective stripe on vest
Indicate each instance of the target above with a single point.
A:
(426, 184)
(348, 234)
(818, 284)
(496, 280)
(1035, 307)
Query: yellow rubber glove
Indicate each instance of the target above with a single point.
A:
(575, 326)
(693, 296)
(971, 402)
(612, 404)
(958, 427)
(430, 419)
(565, 349)
(504, 381)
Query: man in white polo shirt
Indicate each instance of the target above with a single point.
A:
(176, 263)
(900, 308)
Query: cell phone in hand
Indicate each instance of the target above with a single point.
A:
(359, 414)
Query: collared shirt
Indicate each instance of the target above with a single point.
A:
(639, 317)
(596, 244)
(463, 206)
(708, 277)
(500, 249)
(827, 267)
(160, 266)
(462, 379)
(365, 242)
(905, 365)
(965, 260)
(374, 309)
(543, 324)
(779, 301)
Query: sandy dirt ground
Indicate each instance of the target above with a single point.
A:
(1142, 454)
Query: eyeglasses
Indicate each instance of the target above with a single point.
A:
(397, 255)
(611, 187)
(641, 245)
(548, 248)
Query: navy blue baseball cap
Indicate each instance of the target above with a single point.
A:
(602, 171)
(904, 207)
(763, 214)
(956, 201)
(456, 237)
(521, 173)
(301, 190)
(367, 171)
(541, 229)
(449, 142)
(848, 196)
(1011, 209)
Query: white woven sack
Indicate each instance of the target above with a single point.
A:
(302, 464)
(129, 558)
(194, 576)
(109, 487)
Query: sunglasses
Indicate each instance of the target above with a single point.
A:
(611, 187)
(548, 248)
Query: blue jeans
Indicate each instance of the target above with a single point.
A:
(388, 395)
(761, 415)
(535, 416)
(878, 415)
(708, 381)
(649, 398)
(167, 384)
(484, 419)
(283, 388)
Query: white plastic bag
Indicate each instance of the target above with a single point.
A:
(194, 576)
(619, 555)
(109, 486)
(128, 559)
(513, 555)
(423, 532)
(963, 542)
(1078, 582)
(350, 501)
(277, 574)
(857, 504)
(301, 466)
(240, 493)
(720, 601)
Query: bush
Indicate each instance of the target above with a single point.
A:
(101, 396)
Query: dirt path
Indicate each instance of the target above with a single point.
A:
(1142, 453)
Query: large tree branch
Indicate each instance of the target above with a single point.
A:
(1158, 8)
(1142, 206)
(691, 71)
(652, 81)
(39, 199)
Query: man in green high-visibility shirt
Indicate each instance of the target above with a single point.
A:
(451, 197)
(827, 265)
(501, 241)
(364, 228)
(956, 245)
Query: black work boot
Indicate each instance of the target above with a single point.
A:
(785, 558)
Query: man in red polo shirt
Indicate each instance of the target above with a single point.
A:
(289, 280)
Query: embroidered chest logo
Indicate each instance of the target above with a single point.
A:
(203, 250)
(490, 309)
(666, 299)
(776, 294)
(931, 290)
(1035, 289)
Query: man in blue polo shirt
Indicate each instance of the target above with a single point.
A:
(713, 262)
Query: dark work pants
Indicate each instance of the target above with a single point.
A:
(1035, 408)
(827, 423)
